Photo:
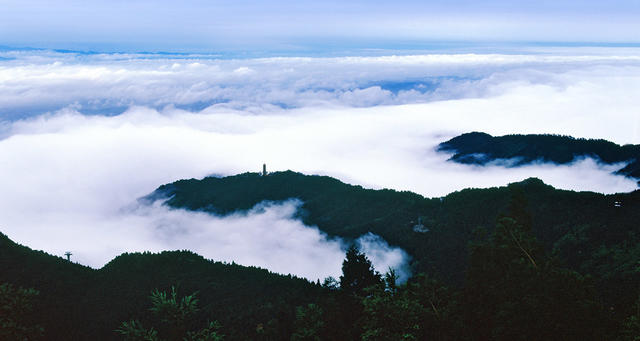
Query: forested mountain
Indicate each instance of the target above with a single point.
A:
(512, 291)
(524, 261)
(589, 232)
(481, 148)
(79, 303)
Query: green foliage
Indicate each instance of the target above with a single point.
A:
(390, 314)
(631, 329)
(173, 312)
(16, 319)
(331, 283)
(514, 292)
(176, 315)
(308, 324)
(134, 331)
(421, 309)
(357, 272)
(209, 333)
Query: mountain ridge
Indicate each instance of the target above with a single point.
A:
(80, 303)
(577, 227)
(584, 232)
(481, 148)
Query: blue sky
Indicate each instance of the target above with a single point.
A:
(199, 25)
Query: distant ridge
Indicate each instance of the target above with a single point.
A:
(480, 148)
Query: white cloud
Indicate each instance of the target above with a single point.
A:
(109, 83)
(71, 180)
(384, 257)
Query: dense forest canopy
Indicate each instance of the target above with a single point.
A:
(586, 230)
(481, 148)
(79, 303)
(523, 261)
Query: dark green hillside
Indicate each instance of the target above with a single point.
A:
(536, 300)
(80, 303)
(480, 148)
(341, 209)
(585, 231)
(520, 262)
(336, 208)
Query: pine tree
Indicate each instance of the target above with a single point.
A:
(357, 272)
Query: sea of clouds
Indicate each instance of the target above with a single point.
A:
(83, 136)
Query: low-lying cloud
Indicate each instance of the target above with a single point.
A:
(70, 178)
(384, 257)
(37, 82)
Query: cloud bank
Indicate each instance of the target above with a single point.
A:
(115, 127)
(44, 81)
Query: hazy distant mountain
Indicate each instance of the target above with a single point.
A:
(481, 148)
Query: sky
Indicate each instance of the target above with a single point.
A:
(362, 91)
(201, 25)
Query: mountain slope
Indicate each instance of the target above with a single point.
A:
(587, 231)
(80, 303)
(481, 148)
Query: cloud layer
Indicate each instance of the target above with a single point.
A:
(37, 82)
(115, 127)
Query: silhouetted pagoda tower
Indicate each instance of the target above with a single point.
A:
(264, 169)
